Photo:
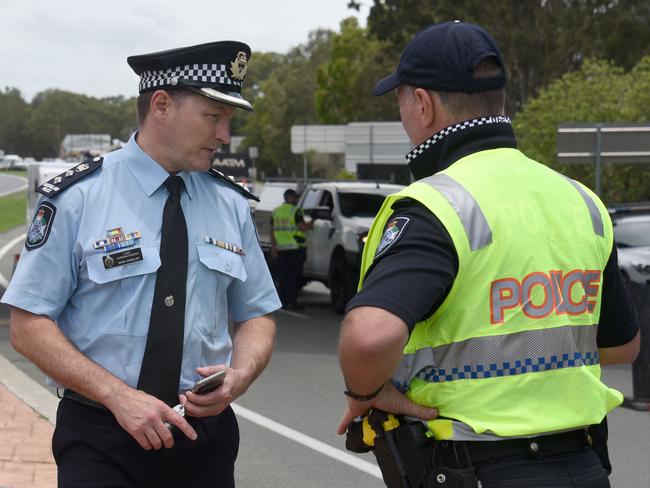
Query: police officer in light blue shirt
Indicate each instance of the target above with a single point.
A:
(85, 289)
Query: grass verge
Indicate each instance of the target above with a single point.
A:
(12, 210)
(15, 172)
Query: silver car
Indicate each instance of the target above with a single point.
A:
(632, 236)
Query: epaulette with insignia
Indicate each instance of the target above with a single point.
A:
(60, 182)
(233, 183)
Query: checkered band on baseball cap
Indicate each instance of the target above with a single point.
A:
(438, 136)
(210, 74)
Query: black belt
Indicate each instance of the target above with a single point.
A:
(72, 395)
(574, 440)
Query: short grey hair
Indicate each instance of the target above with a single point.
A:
(464, 106)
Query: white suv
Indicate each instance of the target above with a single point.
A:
(632, 235)
(342, 213)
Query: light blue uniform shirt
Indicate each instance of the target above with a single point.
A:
(105, 312)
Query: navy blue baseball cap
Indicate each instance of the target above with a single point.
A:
(443, 57)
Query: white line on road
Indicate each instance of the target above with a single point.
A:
(23, 187)
(307, 441)
(13, 190)
(3, 281)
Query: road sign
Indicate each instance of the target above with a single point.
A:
(603, 143)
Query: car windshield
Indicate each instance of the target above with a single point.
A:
(360, 204)
(632, 231)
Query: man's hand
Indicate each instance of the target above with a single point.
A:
(234, 385)
(390, 400)
(144, 416)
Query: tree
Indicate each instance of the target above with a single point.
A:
(286, 98)
(56, 113)
(598, 92)
(540, 39)
(14, 112)
(259, 69)
(356, 62)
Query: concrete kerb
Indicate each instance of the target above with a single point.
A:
(29, 391)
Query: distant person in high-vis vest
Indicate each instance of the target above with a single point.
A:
(490, 294)
(288, 248)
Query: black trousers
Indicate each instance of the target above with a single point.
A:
(92, 450)
(576, 468)
(563, 470)
(288, 267)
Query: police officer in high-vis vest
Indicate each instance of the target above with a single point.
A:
(490, 294)
(288, 247)
(135, 266)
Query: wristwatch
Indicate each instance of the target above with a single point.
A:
(363, 398)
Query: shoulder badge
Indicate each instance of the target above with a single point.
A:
(60, 182)
(233, 183)
(39, 229)
(392, 232)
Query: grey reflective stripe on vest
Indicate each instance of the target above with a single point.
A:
(596, 218)
(476, 225)
(501, 355)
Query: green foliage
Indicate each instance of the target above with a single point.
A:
(344, 174)
(286, 98)
(37, 129)
(259, 69)
(598, 92)
(540, 39)
(15, 172)
(12, 210)
(345, 81)
(14, 112)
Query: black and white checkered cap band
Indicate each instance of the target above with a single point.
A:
(497, 119)
(213, 74)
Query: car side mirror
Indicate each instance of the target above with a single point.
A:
(323, 213)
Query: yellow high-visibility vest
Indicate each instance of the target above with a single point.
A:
(287, 235)
(512, 349)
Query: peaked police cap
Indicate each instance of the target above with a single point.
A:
(215, 70)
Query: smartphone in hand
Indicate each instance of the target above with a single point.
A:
(209, 383)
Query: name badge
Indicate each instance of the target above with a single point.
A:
(122, 258)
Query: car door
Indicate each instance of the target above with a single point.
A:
(309, 201)
(320, 237)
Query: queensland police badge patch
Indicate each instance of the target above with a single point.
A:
(392, 232)
(39, 229)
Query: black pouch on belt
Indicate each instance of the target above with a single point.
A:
(599, 436)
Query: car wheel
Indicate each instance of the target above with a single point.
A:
(342, 283)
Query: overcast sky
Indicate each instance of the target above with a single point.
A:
(82, 45)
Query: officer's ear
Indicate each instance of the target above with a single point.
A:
(161, 103)
(426, 108)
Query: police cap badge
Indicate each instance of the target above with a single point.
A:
(215, 70)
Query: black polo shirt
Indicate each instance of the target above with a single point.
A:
(415, 272)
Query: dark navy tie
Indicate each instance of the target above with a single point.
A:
(161, 366)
